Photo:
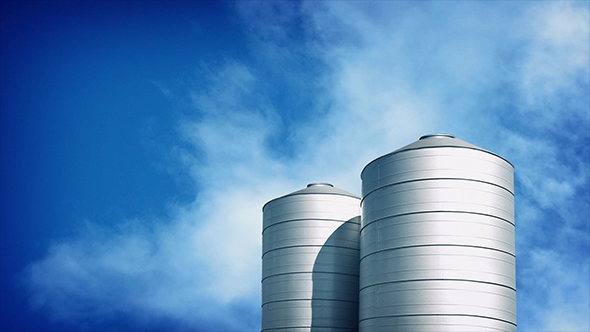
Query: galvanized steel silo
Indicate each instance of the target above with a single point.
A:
(310, 256)
(437, 240)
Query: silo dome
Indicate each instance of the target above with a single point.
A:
(310, 256)
(437, 239)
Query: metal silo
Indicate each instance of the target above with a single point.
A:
(310, 256)
(437, 240)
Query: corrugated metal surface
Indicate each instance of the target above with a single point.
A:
(310, 261)
(437, 240)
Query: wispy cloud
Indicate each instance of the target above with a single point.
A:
(512, 78)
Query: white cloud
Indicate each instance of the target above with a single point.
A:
(557, 297)
(555, 63)
(391, 72)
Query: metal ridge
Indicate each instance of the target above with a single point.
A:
(436, 245)
(305, 327)
(434, 211)
(309, 245)
(292, 300)
(296, 194)
(435, 147)
(430, 179)
(308, 272)
(311, 219)
(437, 279)
(437, 315)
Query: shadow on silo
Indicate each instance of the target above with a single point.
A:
(335, 277)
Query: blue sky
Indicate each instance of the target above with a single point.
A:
(139, 141)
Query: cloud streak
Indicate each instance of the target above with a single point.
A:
(384, 74)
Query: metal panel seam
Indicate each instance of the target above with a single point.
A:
(315, 299)
(308, 326)
(314, 219)
(310, 245)
(437, 279)
(325, 194)
(308, 272)
(436, 315)
(434, 147)
(434, 211)
(435, 245)
(431, 179)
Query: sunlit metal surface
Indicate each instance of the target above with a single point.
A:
(310, 260)
(437, 240)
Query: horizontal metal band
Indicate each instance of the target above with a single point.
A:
(293, 194)
(311, 327)
(434, 147)
(436, 211)
(430, 179)
(419, 280)
(436, 245)
(309, 245)
(300, 219)
(314, 272)
(439, 315)
(292, 300)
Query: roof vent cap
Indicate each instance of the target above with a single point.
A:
(438, 136)
(319, 184)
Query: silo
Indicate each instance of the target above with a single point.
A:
(310, 256)
(437, 240)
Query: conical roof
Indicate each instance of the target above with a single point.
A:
(317, 188)
(438, 141)
(321, 188)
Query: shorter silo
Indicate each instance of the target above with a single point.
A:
(437, 240)
(310, 256)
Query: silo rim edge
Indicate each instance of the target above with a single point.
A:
(434, 147)
(434, 179)
(297, 194)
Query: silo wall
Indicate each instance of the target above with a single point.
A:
(310, 261)
(437, 240)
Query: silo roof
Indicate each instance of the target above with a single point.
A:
(438, 141)
(317, 188)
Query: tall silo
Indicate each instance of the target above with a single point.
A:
(310, 256)
(437, 240)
